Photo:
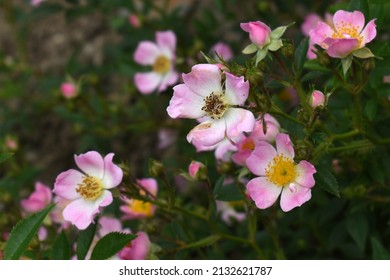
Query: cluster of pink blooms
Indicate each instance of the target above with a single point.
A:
(341, 35)
(218, 100)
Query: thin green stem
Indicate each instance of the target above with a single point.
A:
(345, 135)
(275, 110)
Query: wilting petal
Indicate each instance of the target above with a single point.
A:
(146, 83)
(66, 184)
(204, 79)
(262, 192)
(237, 89)
(305, 171)
(112, 173)
(344, 19)
(368, 33)
(146, 53)
(294, 197)
(208, 133)
(237, 121)
(284, 145)
(259, 159)
(185, 103)
(91, 163)
(340, 48)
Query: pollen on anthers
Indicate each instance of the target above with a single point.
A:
(281, 171)
(90, 188)
(215, 105)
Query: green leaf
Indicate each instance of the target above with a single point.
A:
(261, 53)
(61, 248)
(325, 179)
(312, 75)
(23, 232)
(278, 32)
(371, 109)
(85, 240)
(357, 227)
(363, 53)
(111, 244)
(250, 49)
(379, 252)
(346, 62)
(226, 192)
(5, 156)
(301, 54)
(275, 45)
(359, 5)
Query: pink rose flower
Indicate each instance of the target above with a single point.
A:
(279, 174)
(138, 209)
(137, 249)
(247, 144)
(68, 90)
(161, 56)
(317, 99)
(203, 96)
(38, 200)
(346, 35)
(259, 33)
(88, 190)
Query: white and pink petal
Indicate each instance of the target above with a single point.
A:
(113, 174)
(294, 196)
(185, 103)
(305, 171)
(91, 163)
(237, 89)
(260, 158)
(148, 82)
(262, 192)
(66, 184)
(146, 53)
(284, 145)
(208, 133)
(238, 120)
(204, 79)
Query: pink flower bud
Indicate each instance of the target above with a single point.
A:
(68, 90)
(195, 169)
(259, 33)
(38, 200)
(134, 21)
(317, 99)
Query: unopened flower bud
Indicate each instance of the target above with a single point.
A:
(68, 90)
(156, 168)
(197, 170)
(317, 99)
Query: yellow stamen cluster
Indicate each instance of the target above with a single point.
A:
(141, 207)
(215, 105)
(347, 31)
(281, 171)
(91, 188)
(161, 65)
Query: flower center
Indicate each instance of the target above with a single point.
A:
(248, 144)
(215, 105)
(347, 31)
(91, 188)
(281, 171)
(141, 207)
(161, 65)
